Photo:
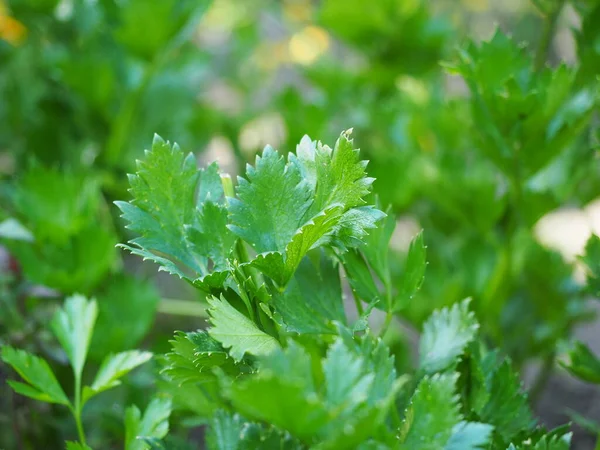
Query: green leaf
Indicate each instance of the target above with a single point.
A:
(470, 436)
(445, 335)
(178, 212)
(338, 175)
(583, 363)
(346, 384)
(432, 414)
(282, 393)
(592, 261)
(43, 385)
(73, 326)
(231, 432)
(272, 202)
(555, 440)
(153, 424)
(501, 402)
(114, 367)
(225, 431)
(414, 272)
(236, 332)
(192, 355)
(312, 300)
(286, 209)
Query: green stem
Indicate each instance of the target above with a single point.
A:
(386, 324)
(542, 378)
(547, 35)
(77, 410)
(178, 307)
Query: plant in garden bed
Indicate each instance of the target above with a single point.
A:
(281, 365)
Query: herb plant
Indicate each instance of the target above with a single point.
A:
(73, 326)
(282, 365)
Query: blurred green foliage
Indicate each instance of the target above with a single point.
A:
(475, 150)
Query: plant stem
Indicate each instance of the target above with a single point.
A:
(77, 410)
(547, 34)
(542, 378)
(178, 307)
(388, 320)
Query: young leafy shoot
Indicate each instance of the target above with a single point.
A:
(154, 423)
(73, 325)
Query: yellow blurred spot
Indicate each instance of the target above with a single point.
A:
(413, 88)
(297, 10)
(11, 30)
(308, 44)
(270, 55)
(266, 129)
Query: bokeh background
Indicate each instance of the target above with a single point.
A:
(84, 85)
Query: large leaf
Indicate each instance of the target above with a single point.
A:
(312, 300)
(43, 385)
(177, 229)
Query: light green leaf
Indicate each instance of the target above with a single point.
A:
(470, 436)
(583, 363)
(282, 393)
(414, 272)
(192, 355)
(339, 174)
(114, 367)
(225, 432)
(236, 332)
(73, 326)
(12, 229)
(445, 336)
(346, 383)
(432, 414)
(43, 385)
(153, 424)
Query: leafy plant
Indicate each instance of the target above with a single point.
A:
(73, 326)
(281, 364)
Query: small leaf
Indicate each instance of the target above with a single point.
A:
(236, 332)
(114, 367)
(414, 272)
(12, 229)
(469, 436)
(73, 325)
(43, 385)
(445, 335)
(583, 363)
(153, 424)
